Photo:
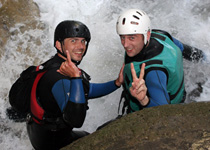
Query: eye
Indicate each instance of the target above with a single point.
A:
(73, 41)
(84, 41)
(131, 37)
(122, 37)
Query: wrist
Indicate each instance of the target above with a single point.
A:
(117, 83)
(144, 101)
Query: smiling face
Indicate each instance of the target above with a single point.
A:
(75, 46)
(132, 44)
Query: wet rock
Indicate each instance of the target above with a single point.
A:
(182, 126)
(12, 12)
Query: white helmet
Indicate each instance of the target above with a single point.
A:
(133, 21)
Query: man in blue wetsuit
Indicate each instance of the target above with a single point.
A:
(162, 55)
(62, 92)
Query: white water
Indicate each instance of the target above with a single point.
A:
(187, 20)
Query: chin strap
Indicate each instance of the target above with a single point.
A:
(145, 45)
(76, 62)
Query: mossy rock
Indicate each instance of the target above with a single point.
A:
(181, 126)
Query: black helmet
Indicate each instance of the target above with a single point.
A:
(71, 28)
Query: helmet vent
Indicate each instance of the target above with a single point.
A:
(135, 23)
(136, 17)
(77, 29)
(139, 13)
(123, 22)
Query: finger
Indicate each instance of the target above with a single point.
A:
(133, 85)
(139, 84)
(141, 89)
(68, 56)
(59, 71)
(132, 90)
(141, 76)
(122, 69)
(133, 72)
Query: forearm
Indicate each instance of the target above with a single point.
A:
(75, 111)
(102, 89)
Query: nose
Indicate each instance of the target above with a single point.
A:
(81, 45)
(125, 42)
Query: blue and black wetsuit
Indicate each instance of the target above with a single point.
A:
(64, 101)
(164, 75)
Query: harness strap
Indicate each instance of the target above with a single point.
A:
(124, 105)
(36, 109)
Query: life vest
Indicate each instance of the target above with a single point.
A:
(37, 112)
(168, 60)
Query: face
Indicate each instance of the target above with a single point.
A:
(132, 44)
(76, 47)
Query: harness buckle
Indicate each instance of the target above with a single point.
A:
(28, 118)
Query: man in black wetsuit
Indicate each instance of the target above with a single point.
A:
(60, 102)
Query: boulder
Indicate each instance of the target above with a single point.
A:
(12, 12)
(180, 126)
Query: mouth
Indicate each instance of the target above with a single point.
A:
(79, 53)
(129, 50)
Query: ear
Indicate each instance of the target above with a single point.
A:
(148, 35)
(58, 46)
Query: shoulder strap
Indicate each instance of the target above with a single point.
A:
(34, 104)
(163, 32)
(125, 104)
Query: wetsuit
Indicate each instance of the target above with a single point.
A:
(189, 52)
(159, 77)
(64, 100)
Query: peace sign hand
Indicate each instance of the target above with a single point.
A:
(68, 68)
(138, 88)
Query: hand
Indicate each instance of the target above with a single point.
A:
(119, 81)
(138, 88)
(68, 68)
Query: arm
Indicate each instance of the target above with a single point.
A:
(189, 52)
(102, 89)
(70, 97)
(156, 82)
(178, 44)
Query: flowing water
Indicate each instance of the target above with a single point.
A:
(187, 20)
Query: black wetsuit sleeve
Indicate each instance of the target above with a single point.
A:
(74, 112)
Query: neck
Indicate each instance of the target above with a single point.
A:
(61, 56)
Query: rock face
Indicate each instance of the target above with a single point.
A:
(169, 127)
(12, 12)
